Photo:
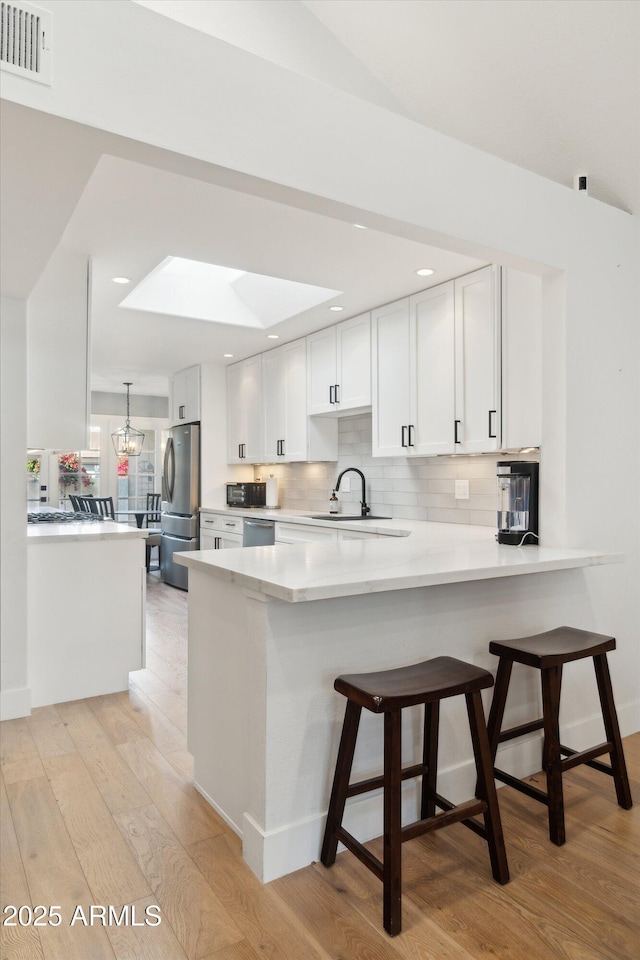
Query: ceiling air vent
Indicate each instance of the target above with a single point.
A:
(25, 41)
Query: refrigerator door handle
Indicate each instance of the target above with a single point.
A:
(169, 472)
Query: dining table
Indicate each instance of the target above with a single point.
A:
(139, 514)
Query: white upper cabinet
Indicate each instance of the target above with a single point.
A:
(436, 370)
(245, 423)
(431, 371)
(391, 392)
(339, 367)
(290, 435)
(184, 396)
(478, 361)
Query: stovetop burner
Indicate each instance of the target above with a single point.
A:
(63, 517)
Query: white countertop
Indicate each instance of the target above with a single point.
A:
(426, 555)
(82, 530)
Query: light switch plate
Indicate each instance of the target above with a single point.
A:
(462, 489)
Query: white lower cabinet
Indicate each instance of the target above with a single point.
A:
(356, 535)
(304, 533)
(220, 532)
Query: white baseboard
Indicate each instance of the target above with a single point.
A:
(275, 853)
(15, 703)
(218, 809)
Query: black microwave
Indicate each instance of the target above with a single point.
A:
(246, 494)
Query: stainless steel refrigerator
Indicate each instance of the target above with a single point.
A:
(180, 501)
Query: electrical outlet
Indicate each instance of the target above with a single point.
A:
(345, 485)
(462, 490)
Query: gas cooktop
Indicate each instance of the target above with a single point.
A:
(63, 517)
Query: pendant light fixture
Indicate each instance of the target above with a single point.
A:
(127, 440)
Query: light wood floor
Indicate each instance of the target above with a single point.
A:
(98, 808)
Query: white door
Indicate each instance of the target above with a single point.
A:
(321, 371)
(353, 362)
(431, 430)
(478, 403)
(390, 392)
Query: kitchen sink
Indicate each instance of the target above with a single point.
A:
(344, 516)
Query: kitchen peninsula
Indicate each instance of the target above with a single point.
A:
(86, 593)
(271, 627)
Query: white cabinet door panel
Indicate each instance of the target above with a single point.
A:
(478, 406)
(353, 362)
(245, 411)
(432, 372)
(390, 379)
(321, 371)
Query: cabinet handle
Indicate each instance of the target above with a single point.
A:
(181, 412)
(404, 437)
(337, 392)
(216, 543)
(455, 431)
(492, 435)
(282, 448)
(209, 521)
(331, 389)
(411, 428)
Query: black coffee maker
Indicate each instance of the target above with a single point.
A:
(517, 502)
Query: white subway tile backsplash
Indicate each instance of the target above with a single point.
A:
(417, 488)
(449, 516)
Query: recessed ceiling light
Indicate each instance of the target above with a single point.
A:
(425, 272)
(227, 355)
(336, 309)
(360, 226)
(273, 336)
(121, 279)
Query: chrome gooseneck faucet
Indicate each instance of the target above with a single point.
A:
(364, 509)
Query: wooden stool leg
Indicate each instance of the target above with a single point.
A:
(430, 759)
(496, 713)
(392, 856)
(551, 758)
(610, 717)
(340, 782)
(486, 788)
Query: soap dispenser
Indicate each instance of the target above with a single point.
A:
(333, 503)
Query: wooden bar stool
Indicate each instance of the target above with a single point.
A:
(548, 652)
(388, 692)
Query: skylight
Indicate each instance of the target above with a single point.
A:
(205, 291)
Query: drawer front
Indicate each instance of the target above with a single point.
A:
(301, 533)
(221, 523)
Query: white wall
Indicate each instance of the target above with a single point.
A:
(15, 698)
(58, 355)
(226, 107)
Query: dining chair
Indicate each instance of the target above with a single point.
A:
(153, 539)
(83, 503)
(103, 506)
(73, 500)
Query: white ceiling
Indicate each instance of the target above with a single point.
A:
(553, 86)
(131, 216)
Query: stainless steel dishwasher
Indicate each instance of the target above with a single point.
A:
(258, 533)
